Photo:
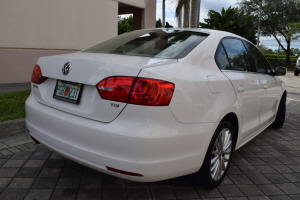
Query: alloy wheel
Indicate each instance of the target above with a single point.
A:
(221, 154)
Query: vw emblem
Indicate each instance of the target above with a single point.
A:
(66, 68)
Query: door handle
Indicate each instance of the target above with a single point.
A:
(240, 88)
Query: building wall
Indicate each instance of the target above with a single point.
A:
(30, 29)
(16, 65)
(150, 14)
(56, 24)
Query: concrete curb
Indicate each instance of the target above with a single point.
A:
(10, 127)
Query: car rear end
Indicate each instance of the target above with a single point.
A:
(95, 109)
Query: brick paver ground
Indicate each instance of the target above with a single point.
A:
(266, 168)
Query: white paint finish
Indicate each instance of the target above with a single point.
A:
(192, 100)
(241, 142)
(157, 142)
(145, 140)
(271, 98)
(214, 84)
(250, 95)
(91, 105)
(89, 69)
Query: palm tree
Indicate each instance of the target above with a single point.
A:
(180, 19)
(163, 13)
(186, 15)
(191, 12)
(195, 13)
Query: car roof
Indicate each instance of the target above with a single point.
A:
(211, 32)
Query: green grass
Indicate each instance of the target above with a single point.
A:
(12, 105)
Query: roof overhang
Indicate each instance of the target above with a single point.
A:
(135, 3)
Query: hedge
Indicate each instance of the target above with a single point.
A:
(274, 57)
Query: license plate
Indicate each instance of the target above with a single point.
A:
(68, 91)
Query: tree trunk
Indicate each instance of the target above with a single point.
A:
(288, 52)
(195, 12)
(186, 14)
(180, 19)
(287, 49)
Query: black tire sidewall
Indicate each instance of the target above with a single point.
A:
(296, 72)
(280, 116)
(204, 173)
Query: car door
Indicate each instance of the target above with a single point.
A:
(269, 83)
(233, 59)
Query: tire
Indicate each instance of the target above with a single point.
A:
(280, 116)
(212, 173)
(296, 71)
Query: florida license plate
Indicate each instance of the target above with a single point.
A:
(68, 91)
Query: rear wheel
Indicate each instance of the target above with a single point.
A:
(296, 72)
(280, 116)
(218, 156)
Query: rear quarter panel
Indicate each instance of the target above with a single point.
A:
(203, 94)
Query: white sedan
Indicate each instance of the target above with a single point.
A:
(155, 104)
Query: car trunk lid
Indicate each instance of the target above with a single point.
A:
(86, 70)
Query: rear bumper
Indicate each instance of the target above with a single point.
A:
(143, 140)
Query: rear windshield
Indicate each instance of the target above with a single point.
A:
(151, 43)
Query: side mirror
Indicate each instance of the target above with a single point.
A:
(280, 71)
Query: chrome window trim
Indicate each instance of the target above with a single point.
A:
(236, 71)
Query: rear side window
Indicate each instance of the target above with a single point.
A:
(155, 43)
(222, 59)
(259, 60)
(237, 54)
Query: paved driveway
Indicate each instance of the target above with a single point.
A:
(266, 168)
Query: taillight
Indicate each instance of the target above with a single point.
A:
(151, 92)
(140, 91)
(115, 88)
(37, 76)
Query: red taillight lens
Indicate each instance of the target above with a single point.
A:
(151, 92)
(37, 76)
(141, 91)
(115, 88)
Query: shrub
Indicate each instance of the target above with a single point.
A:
(274, 58)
